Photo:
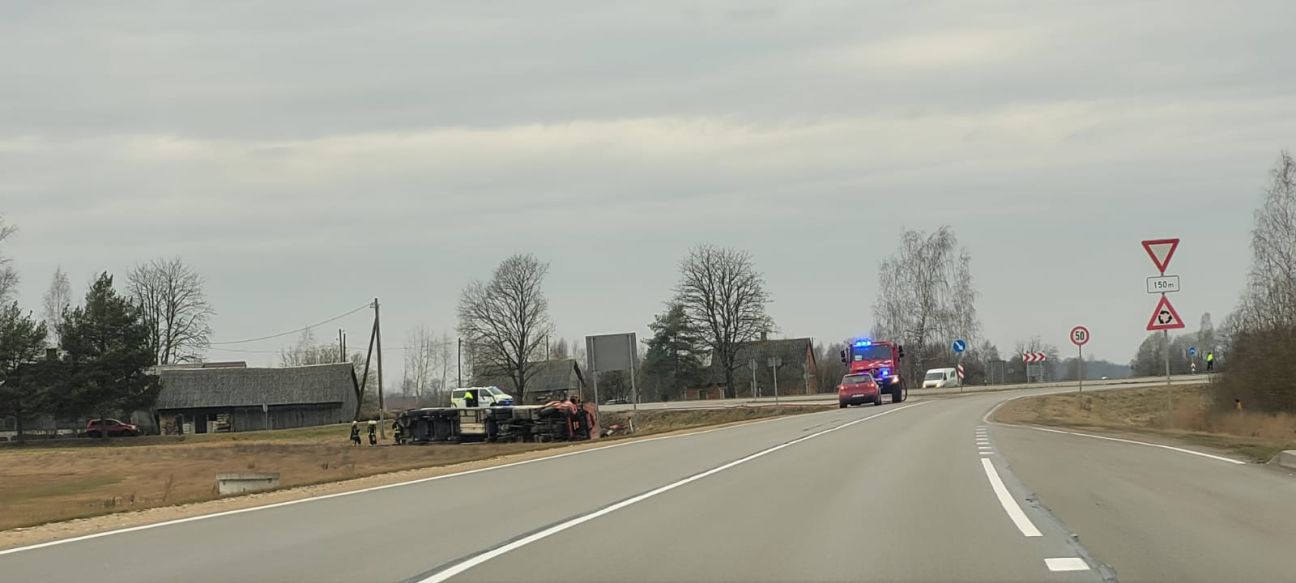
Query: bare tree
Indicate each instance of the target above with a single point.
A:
(424, 358)
(926, 297)
(724, 297)
(57, 300)
(1270, 297)
(559, 350)
(308, 352)
(170, 295)
(445, 358)
(505, 321)
(8, 277)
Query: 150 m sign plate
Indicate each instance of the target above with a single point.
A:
(1163, 284)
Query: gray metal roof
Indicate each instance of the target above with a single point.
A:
(549, 375)
(246, 387)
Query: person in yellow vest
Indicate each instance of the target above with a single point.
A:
(1210, 362)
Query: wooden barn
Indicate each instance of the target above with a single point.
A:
(208, 400)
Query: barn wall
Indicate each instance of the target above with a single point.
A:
(280, 417)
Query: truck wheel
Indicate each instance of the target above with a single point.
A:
(841, 404)
(899, 393)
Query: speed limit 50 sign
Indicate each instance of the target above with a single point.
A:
(1079, 336)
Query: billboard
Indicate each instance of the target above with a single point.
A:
(609, 352)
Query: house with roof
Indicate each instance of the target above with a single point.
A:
(797, 369)
(205, 400)
(551, 380)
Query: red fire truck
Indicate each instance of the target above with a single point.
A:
(881, 360)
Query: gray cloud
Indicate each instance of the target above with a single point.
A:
(308, 155)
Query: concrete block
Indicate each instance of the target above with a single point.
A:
(228, 484)
(1287, 459)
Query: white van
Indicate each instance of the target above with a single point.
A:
(939, 378)
(472, 397)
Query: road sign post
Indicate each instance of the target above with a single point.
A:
(1164, 316)
(774, 364)
(959, 346)
(1080, 337)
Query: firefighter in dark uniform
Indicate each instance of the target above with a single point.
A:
(373, 432)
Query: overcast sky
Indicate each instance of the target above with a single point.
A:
(306, 156)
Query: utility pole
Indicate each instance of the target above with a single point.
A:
(382, 414)
(341, 347)
(752, 364)
(459, 363)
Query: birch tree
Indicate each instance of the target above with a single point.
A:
(926, 296)
(58, 298)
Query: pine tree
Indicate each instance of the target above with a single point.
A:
(21, 341)
(674, 361)
(108, 351)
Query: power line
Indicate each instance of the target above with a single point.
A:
(244, 351)
(297, 331)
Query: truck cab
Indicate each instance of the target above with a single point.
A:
(879, 359)
(474, 397)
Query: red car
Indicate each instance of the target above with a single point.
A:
(857, 389)
(114, 428)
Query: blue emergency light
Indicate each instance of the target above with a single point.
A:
(863, 343)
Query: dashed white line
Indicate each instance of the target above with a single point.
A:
(1066, 564)
(471, 562)
(1171, 448)
(1010, 506)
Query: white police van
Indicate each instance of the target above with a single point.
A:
(472, 397)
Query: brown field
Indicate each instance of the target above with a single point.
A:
(1148, 411)
(63, 479)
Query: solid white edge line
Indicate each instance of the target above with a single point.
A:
(457, 568)
(377, 488)
(1062, 564)
(1158, 445)
(1006, 500)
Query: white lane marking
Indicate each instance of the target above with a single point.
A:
(1066, 564)
(453, 570)
(1171, 448)
(984, 447)
(1010, 506)
(987, 453)
(377, 488)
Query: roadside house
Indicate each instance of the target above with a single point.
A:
(203, 400)
(796, 374)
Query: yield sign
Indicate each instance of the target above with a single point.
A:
(1161, 251)
(1165, 317)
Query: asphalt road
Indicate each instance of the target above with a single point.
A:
(831, 398)
(922, 491)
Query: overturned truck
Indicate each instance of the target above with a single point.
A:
(553, 421)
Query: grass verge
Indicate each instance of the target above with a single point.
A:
(59, 480)
(1185, 414)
